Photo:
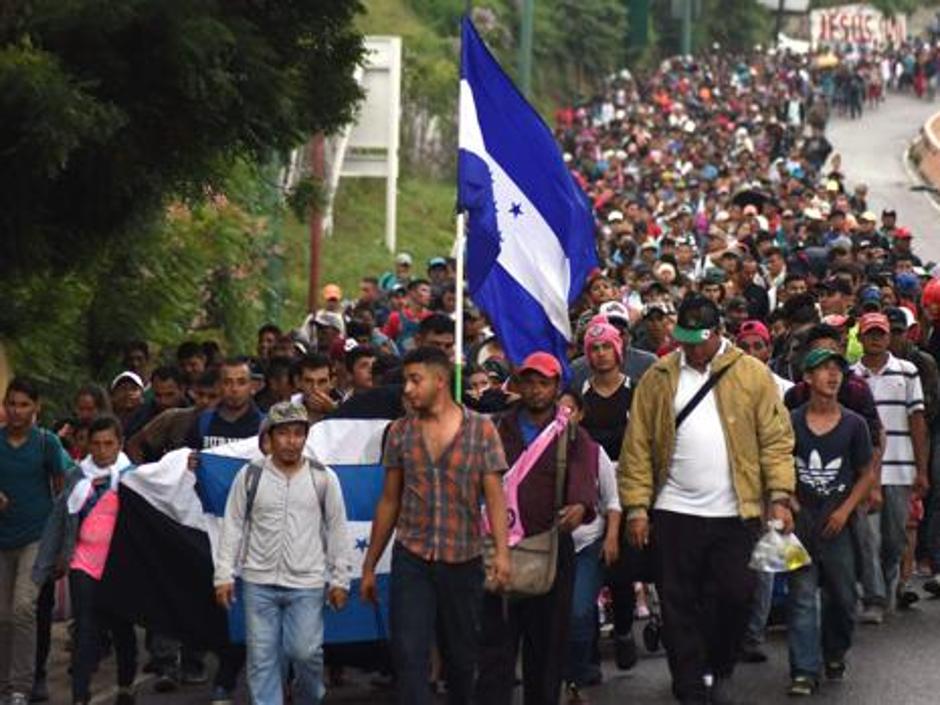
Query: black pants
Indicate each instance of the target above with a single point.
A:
(90, 621)
(633, 566)
(44, 606)
(231, 663)
(540, 624)
(705, 587)
(432, 600)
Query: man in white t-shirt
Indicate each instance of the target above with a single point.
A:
(895, 386)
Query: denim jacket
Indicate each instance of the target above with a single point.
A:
(58, 538)
(57, 545)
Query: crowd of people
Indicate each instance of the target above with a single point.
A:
(756, 344)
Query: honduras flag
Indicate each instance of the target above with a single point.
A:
(530, 245)
(160, 571)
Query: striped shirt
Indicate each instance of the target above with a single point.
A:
(897, 392)
(440, 507)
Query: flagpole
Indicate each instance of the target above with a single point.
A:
(458, 327)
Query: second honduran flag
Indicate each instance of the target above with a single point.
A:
(159, 571)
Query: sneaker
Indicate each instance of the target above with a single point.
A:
(40, 691)
(166, 683)
(195, 675)
(835, 670)
(801, 686)
(18, 699)
(932, 586)
(125, 696)
(752, 653)
(575, 696)
(221, 696)
(873, 614)
(907, 597)
(625, 652)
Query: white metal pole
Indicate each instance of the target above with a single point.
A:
(458, 327)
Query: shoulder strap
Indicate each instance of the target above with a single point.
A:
(318, 473)
(205, 418)
(561, 463)
(252, 480)
(701, 393)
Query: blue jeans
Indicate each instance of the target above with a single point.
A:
(284, 625)
(882, 539)
(761, 604)
(428, 599)
(812, 637)
(588, 580)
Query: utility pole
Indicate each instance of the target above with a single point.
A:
(525, 47)
(778, 24)
(687, 27)
(317, 171)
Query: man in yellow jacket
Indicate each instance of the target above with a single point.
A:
(708, 449)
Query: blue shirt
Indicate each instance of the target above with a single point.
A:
(26, 474)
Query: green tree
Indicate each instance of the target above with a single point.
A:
(109, 107)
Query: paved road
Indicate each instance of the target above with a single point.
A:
(872, 151)
(894, 663)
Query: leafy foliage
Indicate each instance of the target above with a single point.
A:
(111, 106)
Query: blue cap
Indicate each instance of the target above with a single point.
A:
(870, 293)
(907, 282)
(437, 262)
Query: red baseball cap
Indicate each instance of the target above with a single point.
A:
(544, 363)
(903, 233)
(873, 321)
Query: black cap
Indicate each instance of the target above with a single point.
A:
(837, 284)
(896, 319)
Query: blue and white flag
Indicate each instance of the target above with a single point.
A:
(159, 570)
(530, 245)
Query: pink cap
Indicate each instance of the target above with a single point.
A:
(753, 328)
(603, 333)
(544, 363)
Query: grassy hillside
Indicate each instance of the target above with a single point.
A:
(357, 246)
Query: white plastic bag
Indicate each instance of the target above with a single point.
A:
(777, 552)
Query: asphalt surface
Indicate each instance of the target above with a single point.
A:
(873, 149)
(895, 663)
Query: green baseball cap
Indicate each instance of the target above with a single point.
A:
(698, 320)
(814, 358)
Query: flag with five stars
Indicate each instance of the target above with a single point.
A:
(530, 240)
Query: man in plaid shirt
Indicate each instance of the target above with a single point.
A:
(440, 461)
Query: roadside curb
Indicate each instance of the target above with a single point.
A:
(925, 144)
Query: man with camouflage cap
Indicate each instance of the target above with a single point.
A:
(285, 533)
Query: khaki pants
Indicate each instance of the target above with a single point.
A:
(18, 594)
